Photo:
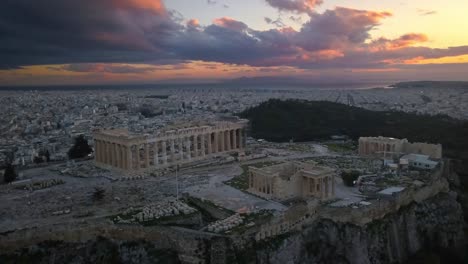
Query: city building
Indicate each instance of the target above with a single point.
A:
(292, 180)
(172, 146)
(394, 148)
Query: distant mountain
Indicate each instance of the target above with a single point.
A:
(266, 80)
(432, 84)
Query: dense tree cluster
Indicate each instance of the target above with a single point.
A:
(10, 174)
(300, 120)
(80, 149)
(350, 177)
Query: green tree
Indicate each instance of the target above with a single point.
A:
(47, 155)
(38, 159)
(10, 173)
(98, 194)
(80, 149)
(349, 177)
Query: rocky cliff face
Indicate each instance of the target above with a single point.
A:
(96, 251)
(435, 225)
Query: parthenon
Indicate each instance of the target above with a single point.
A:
(121, 150)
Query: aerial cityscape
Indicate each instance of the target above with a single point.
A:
(263, 131)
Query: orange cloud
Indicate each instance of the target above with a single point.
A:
(230, 23)
(403, 41)
(193, 23)
(153, 5)
(408, 40)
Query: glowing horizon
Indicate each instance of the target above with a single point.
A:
(144, 41)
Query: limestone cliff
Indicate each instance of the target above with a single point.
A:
(435, 224)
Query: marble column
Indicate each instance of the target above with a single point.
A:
(129, 157)
(119, 156)
(202, 144)
(102, 152)
(228, 140)
(147, 157)
(221, 142)
(172, 151)
(195, 146)
(124, 157)
(188, 154)
(241, 140)
(209, 144)
(107, 157)
(215, 142)
(97, 156)
(156, 154)
(116, 155)
(333, 185)
(234, 139)
(164, 152)
(112, 154)
(138, 164)
(181, 148)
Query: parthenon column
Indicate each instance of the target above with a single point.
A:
(172, 151)
(234, 139)
(102, 151)
(119, 156)
(105, 154)
(195, 146)
(107, 157)
(221, 143)
(181, 148)
(156, 154)
(241, 140)
(188, 154)
(138, 164)
(123, 161)
(112, 153)
(202, 144)
(96, 149)
(116, 155)
(228, 140)
(333, 185)
(209, 144)
(129, 157)
(215, 142)
(164, 152)
(147, 158)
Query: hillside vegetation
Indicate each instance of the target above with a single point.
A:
(300, 120)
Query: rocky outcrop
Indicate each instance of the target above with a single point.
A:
(100, 250)
(435, 224)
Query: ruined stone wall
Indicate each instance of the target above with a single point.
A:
(433, 225)
(432, 150)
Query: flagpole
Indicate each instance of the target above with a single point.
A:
(177, 182)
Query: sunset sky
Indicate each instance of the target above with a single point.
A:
(55, 42)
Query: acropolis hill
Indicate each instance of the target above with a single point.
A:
(206, 191)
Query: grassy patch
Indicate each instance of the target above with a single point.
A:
(168, 220)
(341, 147)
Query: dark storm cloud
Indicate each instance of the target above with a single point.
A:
(143, 31)
(61, 31)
